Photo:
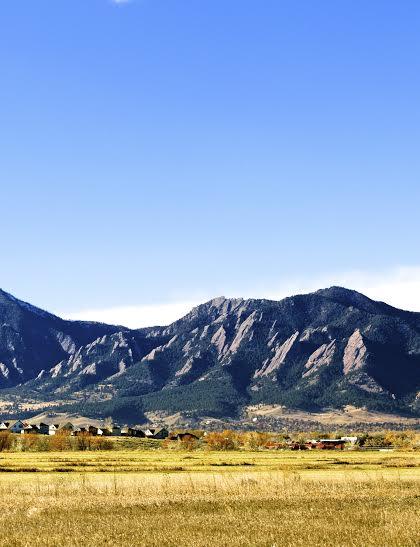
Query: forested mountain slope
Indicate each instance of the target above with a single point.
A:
(328, 348)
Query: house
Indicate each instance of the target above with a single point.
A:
(15, 426)
(95, 431)
(156, 433)
(79, 431)
(322, 444)
(114, 430)
(274, 445)
(162, 433)
(351, 440)
(52, 429)
(41, 428)
(137, 432)
(65, 428)
(29, 429)
(295, 445)
(124, 431)
(128, 431)
(311, 445)
(330, 444)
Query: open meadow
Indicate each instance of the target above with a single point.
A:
(199, 498)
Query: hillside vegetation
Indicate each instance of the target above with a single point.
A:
(327, 349)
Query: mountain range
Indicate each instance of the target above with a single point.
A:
(327, 349)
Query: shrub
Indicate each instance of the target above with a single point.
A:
(401, 439)
(189, 443)
(83, 441)
(28, 442)
(254, 440)
(6, 440)
(60, 441)
(377, 440)
(101, 443)
(43, 443)
(226, 440)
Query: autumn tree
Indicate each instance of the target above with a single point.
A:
(60, 441)
(6, 440)
(225, 440)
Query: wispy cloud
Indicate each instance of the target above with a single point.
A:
(399, 287)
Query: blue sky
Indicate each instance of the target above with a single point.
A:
(156, 153)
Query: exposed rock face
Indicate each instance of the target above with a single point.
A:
(321, 357)
(281, 352)
(4, 371)
(186, 368)
(316, 336)
(159, 349)
(365, 382)
(244, 332)
(329, 348)
(66, 342)
(103, 358)
(355, 354)
(219, 340)
(32, 339)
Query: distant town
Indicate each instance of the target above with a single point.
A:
(267, 441)
(93, 436)
(42, 428)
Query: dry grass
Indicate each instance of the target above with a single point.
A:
(159, 460)
(356, 504)
(348, 415)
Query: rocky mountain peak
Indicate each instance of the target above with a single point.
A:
(348, 297)
(328, 348)
(8, 299)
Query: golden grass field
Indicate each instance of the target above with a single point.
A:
(199, 498)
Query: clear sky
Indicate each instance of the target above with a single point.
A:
(156, 153)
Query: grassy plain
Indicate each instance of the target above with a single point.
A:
(199, 498)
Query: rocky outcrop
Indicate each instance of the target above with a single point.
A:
(328, 348)
(363, 381)
(4, 371)
(32, 339)
(244, 332)
(280, 353)
(105, 357)
(159, 349)
(186, 368)
(219, 340)
(320, 358)
(355, 353)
